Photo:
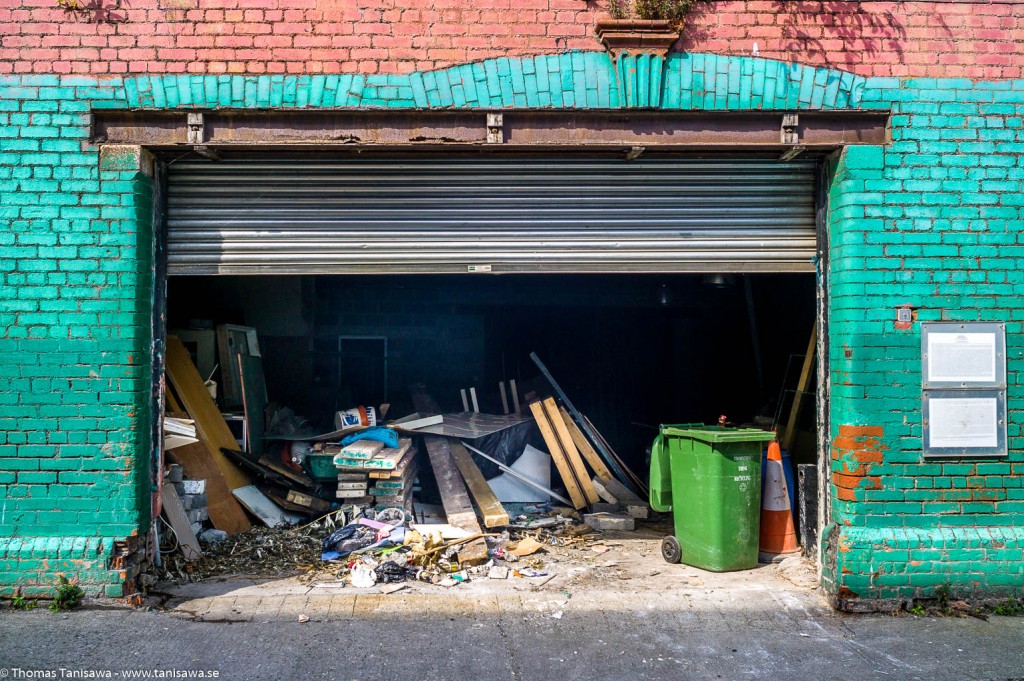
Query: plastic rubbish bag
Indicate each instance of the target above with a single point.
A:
(345, 540)
(506, 446)
(379, 434)
(390, 571)
(363, 576)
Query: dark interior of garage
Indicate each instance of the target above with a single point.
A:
(632, 351)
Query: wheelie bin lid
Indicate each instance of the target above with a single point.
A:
(717, 433)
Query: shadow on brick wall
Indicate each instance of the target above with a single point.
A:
(95, 11)
(810, 27)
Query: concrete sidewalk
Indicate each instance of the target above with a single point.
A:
(754, 625)
(612, 643)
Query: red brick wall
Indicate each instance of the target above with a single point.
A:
(936, 39)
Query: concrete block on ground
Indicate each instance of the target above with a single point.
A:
(193, 486)
(609, 521)
(175, 473)
(622, 493)
(602, 507)
(197, 500)
(641, 511)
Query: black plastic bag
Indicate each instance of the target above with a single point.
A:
(347, 539)
(390, 571)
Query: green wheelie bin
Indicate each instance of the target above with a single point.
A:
(709, 477)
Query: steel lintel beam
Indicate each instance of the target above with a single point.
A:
(229, 129)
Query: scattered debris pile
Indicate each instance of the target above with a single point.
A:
(355, 496)
(365, 551)
(258, 552)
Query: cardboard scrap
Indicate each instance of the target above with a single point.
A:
(527, 547)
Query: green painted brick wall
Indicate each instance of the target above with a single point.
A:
(75, 266)
(933, 220)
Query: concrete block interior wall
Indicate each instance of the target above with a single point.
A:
(932, 220)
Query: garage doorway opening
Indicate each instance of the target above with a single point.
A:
(681, 290)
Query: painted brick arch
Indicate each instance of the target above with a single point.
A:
(574, 80)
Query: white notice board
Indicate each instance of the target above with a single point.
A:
(964, 422)
(963, 355)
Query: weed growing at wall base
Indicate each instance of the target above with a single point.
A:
(68, 596)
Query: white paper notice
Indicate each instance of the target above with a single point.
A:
(963, 422)
(962, 357)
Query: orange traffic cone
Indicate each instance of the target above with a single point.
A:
(778, 533)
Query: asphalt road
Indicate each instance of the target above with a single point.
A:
(619, 642)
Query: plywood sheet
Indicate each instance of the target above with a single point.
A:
(210, 425)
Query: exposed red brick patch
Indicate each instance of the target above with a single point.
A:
(847, 481)
(857, 449)
(866, 457)
(861, 431)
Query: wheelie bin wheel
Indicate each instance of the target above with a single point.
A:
(670, 549)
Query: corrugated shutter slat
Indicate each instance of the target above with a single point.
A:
(529, 213)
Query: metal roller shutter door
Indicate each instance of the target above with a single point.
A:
(524, 214)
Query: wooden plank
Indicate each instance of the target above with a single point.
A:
(454, 495)
(405, 482)
(586, 449)
(557, 455)
(287, 505)
(254, 401)
(493, 512)
(210, 425)
(504, 398)
(802, 387)
(350, 486)
(387, 459)
(350, 493)
(584, 425)
(362, 449)
(515, 394)
(308, 501)
(175, 514)
(171, 403)
(571, 453)
(282, 470)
